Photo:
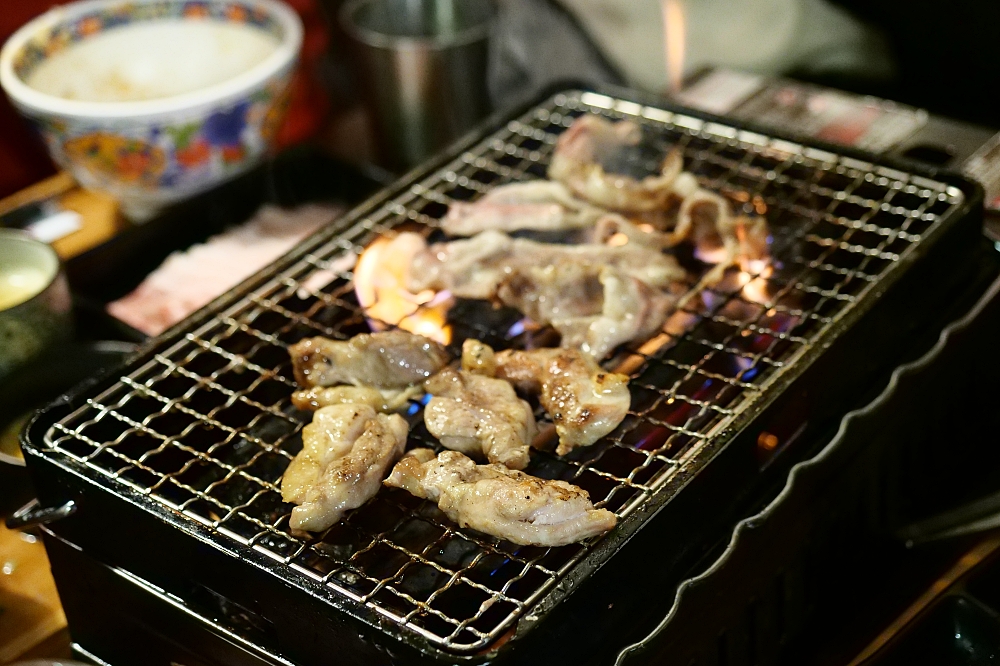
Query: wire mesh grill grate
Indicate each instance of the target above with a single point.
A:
(205, 428)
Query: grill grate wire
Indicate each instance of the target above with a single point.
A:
(205, 428)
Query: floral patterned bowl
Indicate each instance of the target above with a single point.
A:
(203, 117)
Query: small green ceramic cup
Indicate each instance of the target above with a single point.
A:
(35, 306)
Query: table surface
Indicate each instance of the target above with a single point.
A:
(32, 623)
(30, 613)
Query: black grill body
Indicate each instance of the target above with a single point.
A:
(302, 602)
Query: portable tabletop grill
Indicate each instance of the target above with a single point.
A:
(173, 463)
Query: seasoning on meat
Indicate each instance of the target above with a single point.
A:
(499, 501)
(346, 452)
(584, 401)
(480, 416)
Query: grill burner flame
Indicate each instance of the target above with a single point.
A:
(755, 289)
(380, 285)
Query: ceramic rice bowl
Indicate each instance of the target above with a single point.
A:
(150, 152)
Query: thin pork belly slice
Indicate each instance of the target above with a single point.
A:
(476, 267)
(595, 308)
(592, 142)
(538, 205)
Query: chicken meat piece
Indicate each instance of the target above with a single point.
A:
(387, 360)
(476, 267)
(538, 205)
(591, 142)
(501, 502)
(478, 358)
(480, 416)
(594, 308)
(584, 400)
(346, 451)
(381, 400)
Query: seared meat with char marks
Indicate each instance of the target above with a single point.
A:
(387, 360)
(346, 452)
(584, 400)
(501, 502)
(479, 416)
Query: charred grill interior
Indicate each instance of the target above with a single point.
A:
(204, 427)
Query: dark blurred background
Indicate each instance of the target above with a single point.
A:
(944, 52)
(935, 55)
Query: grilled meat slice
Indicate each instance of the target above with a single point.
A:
(590, 143)
(595, 308)
(719, 237)
(539, 205)
(381, 400)
(501, 502)
(475, 267)
(480, 416)
(388, 360)
(584, 401)
(346, 452)
(553, 292)
(614, 229)
(468, 268)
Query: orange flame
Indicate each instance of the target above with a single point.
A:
(755, 289)
(674, 35)
(380, 284)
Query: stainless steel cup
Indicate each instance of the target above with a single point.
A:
(35, 306)
(422, 68)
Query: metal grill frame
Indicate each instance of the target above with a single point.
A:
(364, 220)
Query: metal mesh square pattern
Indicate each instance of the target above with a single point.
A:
(205, 428)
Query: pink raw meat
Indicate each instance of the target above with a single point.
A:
(188, 280)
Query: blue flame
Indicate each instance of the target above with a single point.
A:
(416, 405)
(517, 329)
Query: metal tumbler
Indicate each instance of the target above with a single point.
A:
(421, 65)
